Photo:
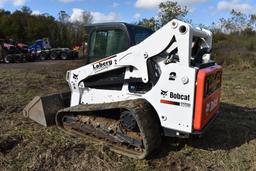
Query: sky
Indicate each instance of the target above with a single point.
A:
(200, 11)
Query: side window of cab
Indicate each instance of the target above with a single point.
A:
(105, 43)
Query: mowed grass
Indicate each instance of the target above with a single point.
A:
(230, 144)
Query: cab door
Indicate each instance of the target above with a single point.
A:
(107, 42)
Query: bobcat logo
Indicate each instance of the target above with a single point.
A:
(164, 93)
(75, 76)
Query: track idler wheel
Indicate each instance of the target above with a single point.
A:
(128, 121)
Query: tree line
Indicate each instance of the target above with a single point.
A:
(234, 37)
(23, 26)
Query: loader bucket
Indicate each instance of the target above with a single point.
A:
(43, 109)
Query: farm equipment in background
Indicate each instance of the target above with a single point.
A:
(137, 87)
(9, 53)
(23, 48)
(42, 50)
(80, 49)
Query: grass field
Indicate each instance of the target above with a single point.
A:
(230, 144)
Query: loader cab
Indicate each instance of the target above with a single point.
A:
(107, 39)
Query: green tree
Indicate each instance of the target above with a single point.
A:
(253, 20)
(87, 18)
(171, 10)
(63, 17)
(167, 11)
(79, 32)
(26, 10)
(149, 23)
(236, 23)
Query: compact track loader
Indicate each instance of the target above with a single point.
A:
(137, 87)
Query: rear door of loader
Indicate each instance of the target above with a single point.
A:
(208, 93)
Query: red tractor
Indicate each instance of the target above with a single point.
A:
(10, 53)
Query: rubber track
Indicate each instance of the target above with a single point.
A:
(145, 116)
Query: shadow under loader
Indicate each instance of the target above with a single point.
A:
(234, 127)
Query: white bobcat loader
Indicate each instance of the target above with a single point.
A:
(137, 87)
